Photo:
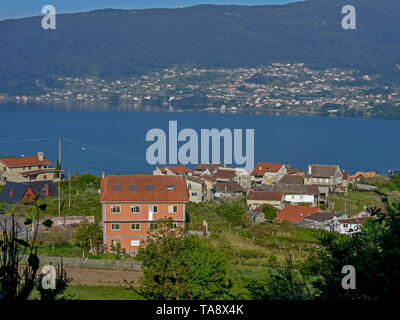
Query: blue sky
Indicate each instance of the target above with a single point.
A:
(26, 8)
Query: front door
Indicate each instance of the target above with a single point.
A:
(151, 211)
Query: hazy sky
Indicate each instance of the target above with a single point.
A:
(26, 8)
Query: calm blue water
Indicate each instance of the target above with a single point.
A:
(115, 141)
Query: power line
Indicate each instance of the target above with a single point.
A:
(29, 140)
(104, 150)
(107, 169)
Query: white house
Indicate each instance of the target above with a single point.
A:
(348, 226)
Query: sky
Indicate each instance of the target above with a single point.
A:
(27, 8)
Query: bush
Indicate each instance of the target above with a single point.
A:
(270, 213)
(233, 211)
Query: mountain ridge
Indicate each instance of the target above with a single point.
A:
(121, 43)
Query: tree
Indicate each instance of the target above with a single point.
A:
(58, 167)
(374, 253)
(270, 213)
(89, 236)
(283, 282)
(233, 211)
(177, 267)
(207, 270)
(396, 180)
(164, 274)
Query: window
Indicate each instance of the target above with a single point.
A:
(136, 226)
(135, 209)
(170, 187)
(189, 186)
(172, 209)
(115, 226)
(135, 243)
(174, 226)
(115, 209)
(327, 180)
(45, 177)
(149, 187)
(155, 209)
(345, 226)
(194, 194)
(133, 187)
(117, 187)
(153, 226)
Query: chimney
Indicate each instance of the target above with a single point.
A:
(309, 170)
(103, 175)
(40, 156)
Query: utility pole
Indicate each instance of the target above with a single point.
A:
(69, 190)
(59, 177)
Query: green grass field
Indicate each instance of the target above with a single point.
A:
(355, 201)
(102, 293)
(75, 292)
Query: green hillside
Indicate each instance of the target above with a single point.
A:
(119, 43)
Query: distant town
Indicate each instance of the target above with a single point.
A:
(277, 88)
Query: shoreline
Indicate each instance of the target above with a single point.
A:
(79, 106)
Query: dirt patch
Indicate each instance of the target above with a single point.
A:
(101, 277)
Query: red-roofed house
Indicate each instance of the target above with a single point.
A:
(132, 205)
(296, 213)
(268, 173)
(172, 170)
(26, 169)
(361, 174)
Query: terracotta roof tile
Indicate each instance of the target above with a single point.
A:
(263, 167)
(296, 213)
(179, 169)
(159, 193)
(24, 161)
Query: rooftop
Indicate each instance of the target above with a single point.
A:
(24, 161)
(265, 195)
(263, 167)
(296, 213)
(146, 188)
